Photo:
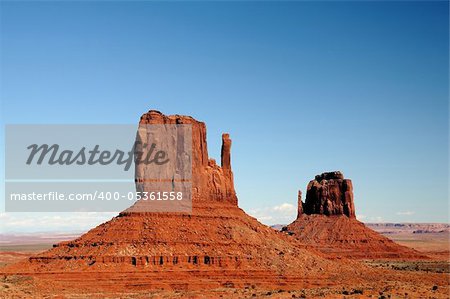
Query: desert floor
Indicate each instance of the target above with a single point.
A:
(400, 281)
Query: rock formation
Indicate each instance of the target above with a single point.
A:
(217, 245)
(329, 194)
(217, 250)
(300, 203)
(327, 221)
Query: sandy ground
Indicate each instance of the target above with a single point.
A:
(433, 244)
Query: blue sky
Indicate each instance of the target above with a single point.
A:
(302, 88)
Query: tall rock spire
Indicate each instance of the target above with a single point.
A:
(300, 204)
(226, 152)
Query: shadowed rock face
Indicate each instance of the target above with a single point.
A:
(329, 194)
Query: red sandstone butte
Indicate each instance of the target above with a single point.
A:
(327, 221)
(209, 181)
(329, 194)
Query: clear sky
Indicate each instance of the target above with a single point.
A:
(302, 88)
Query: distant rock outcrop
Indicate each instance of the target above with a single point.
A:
(329, 194)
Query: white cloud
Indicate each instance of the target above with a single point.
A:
(51, 222)
(406, 213)
(286, 208)
(284, 213)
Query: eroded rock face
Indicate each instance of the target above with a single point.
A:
(329, 194)
(209, 181)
